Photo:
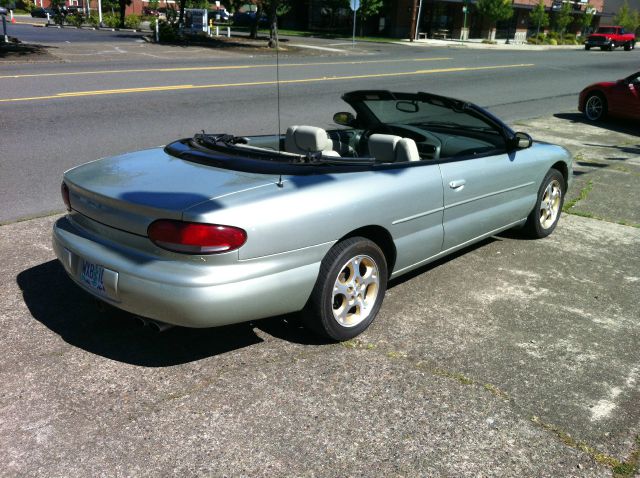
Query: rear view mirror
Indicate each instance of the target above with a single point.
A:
(407, 106)
(344, 118)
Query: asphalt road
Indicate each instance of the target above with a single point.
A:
(102, 98)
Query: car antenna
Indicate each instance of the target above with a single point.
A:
(275, 31)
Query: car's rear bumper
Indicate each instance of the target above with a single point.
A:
(185, 293)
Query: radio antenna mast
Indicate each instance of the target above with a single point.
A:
(275, 31)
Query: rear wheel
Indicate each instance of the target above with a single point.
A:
(587, 47)
(349, 290)
(545, 215)
(595, 107)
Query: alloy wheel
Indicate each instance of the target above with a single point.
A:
(355, 291)
(550, 204)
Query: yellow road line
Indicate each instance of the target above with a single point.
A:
(213, 68)
(260, 83)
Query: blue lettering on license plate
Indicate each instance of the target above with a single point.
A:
(92, 275)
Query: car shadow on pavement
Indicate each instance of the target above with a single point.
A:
(612, 124)
(84, 322)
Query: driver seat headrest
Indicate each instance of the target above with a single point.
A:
(389, 148)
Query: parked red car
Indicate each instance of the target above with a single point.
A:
(607, 38)
(615, 98)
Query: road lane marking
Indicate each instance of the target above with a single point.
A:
(212, 68)
(260, 83)
(314, 47)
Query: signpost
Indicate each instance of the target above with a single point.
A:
(355, 5)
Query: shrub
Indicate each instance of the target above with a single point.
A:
(152, 23)
(553, 36)
(76, 19)
(93, 20)
(26, 5)
(536, 39)
(168, 31)
(111, 20)
(553, 41)
(58, 19)
(569, 37)
(132, 21)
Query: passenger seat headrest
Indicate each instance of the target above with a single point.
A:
(304, 139)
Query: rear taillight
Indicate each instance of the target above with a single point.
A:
(64, 189)
(195, 237)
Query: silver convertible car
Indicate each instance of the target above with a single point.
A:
(218, 229)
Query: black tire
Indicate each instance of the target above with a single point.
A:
(603, 48)
(587, 47)
(595, 106)
(541, 222)
(331, 314)
(629, 46)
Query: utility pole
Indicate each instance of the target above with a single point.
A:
(414, 14)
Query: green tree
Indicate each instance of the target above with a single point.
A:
(586, 18)
(627, 18)
(495, 10)
(204, 4)
(564, 18)
(368, 8)
(539, 16)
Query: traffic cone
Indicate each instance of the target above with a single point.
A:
(13, 20)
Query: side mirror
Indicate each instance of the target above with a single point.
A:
(344, 118)
(521, 140)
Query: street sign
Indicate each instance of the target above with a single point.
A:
(354, 4)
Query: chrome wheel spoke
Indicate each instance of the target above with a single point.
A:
(355, 291)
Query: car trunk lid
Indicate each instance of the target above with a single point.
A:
(130, 191)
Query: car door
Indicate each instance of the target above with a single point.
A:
(624, 97)
(485, 194)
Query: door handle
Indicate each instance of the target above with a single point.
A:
(457, 184)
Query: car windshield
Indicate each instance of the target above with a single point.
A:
(607, 30)
(431, 111)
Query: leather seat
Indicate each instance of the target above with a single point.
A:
(393, 149)
(308, 139)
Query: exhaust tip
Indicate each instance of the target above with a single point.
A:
(154, 325)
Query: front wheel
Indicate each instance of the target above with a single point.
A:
(349, 290)
(546, 213)
(629, 46)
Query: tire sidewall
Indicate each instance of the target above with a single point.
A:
(329, 270)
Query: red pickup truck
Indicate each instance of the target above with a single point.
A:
(607, 38)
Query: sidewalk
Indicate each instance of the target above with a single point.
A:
(477, 43)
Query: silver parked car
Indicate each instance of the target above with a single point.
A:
(219, 229)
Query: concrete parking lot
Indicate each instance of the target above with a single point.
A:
(513, 358)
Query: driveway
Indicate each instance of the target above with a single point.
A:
(512, 358)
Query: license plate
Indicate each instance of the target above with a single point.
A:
(92, 275)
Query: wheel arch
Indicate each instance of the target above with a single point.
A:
(382, 237)
(564, 170)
